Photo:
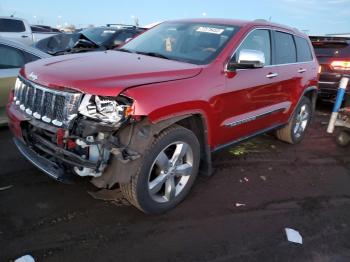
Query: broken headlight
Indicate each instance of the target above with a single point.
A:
(106, 109)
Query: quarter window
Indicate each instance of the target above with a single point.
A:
(10, 57)
(11, 25)
(304, 53)
(258, 40)
(285, 48)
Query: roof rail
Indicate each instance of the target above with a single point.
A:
(261, 20)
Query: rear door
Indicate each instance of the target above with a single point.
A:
(289, 70)
(15, 29)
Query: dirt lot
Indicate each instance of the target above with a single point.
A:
(305, 187)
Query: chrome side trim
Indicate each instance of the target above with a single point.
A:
(251, 118)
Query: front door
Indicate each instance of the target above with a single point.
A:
(253, 98)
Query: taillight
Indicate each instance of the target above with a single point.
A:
(341, 65)
(319, 69)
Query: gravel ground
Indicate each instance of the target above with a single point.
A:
(305, 187)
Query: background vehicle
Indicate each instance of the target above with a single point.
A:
(13, 56)
(19, 30)
(149, 115)
(90, 39)
(44, 28)
(333, 54)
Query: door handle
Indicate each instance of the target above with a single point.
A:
(302, 70)
(24, 36)
(271, 75)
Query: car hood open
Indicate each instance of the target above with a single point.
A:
(106, 73)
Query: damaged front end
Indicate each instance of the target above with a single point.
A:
(69, 133)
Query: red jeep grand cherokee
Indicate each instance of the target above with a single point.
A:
(148, 116)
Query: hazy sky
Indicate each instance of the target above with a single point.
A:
(319, 17)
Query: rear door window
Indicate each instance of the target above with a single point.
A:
(304, 53)
(11, 25)
(285, 48)
(11, 57)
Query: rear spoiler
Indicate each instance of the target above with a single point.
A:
(330, 40)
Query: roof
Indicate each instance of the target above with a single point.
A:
(21, 46)
(240, 23)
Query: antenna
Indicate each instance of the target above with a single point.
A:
(13, 14)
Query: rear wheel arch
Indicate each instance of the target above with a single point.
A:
(311, 93)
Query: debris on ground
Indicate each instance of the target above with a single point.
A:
(245, 148)
(244, 179)
(5, 187)
(270, 168)
(294, 236)
(240, 205)
(263, 178)
(116, 196)
(273, 146)
(26, 258)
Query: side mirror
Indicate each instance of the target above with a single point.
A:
(247, 58)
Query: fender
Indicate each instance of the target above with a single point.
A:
(138, 137)
(314, 90)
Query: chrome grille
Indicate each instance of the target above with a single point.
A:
(54, 107)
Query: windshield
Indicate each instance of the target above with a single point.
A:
(196, 43)
(99, 35)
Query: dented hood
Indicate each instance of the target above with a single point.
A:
(106, 73)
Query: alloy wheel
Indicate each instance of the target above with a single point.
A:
(170, 172)
(302, 120)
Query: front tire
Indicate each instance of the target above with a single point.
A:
(167, 173)
(296, 128)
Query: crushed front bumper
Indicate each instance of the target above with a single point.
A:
(52, 159)
(45, 165)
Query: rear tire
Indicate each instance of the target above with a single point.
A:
(295, 130)
(167, 172)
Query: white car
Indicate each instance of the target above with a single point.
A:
(19, 30)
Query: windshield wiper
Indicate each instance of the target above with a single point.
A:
(123, 50)
(153, 54)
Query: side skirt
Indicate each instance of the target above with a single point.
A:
(238, 141)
